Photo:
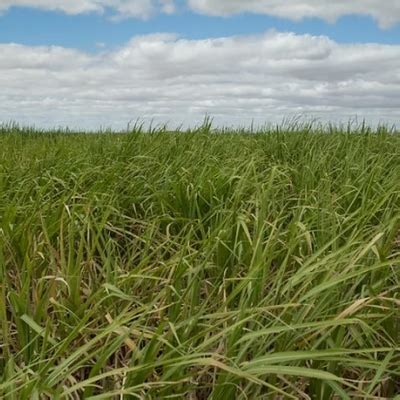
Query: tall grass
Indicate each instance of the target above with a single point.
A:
(200, 265)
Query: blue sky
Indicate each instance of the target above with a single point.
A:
(177, 60)
(40, 27)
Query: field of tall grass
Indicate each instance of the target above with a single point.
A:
(200, 265)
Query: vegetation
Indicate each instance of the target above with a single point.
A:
(200, 264)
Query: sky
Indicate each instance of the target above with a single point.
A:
(94, 63)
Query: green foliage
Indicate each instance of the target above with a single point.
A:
(200, 264)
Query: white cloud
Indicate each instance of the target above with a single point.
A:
(121, 8)
(266, 77)
(385, 12)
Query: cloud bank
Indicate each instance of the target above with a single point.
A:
(266, 77)
(387, 12)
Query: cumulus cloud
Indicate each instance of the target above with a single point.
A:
(171, 79)
(386, 12)
(121, 8)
